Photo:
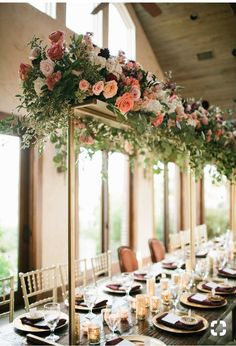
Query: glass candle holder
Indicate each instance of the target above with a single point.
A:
(165, 297)
(132, 304)
(155, 304)
(176, 278)
(141, 307)
(164, 282)
(104, 313)
(94, 334)
(124, 315)
(84, 327)
(151, 286)
(147, 300)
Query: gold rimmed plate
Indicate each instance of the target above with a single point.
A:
(140, 276)
(202, 289)
(85, 308)
(30, 329)
(142, 340)
(184, 300)
(180, 331)
(110, 290)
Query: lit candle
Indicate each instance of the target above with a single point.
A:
(165, 297)
(140, 306)
(175, 277)
(147, 300)
(164, 284)
(151, 286)
(124, 315)
(94, 334)
(155, 303)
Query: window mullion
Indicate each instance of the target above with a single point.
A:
(105, 204)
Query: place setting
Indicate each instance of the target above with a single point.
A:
(123, 284)
(222, 287)
(49, 319)
(203, 301)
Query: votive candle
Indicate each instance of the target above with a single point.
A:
(141, 307)
(151, 286)
(165, 297)
(175, 277)
(164, 284)
(155, 303)
(94, 334)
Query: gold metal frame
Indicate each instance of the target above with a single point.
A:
(192, 214)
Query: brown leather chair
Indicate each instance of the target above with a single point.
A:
(127, 259)
(157, 250)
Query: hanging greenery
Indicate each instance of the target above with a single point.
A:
(160, 124)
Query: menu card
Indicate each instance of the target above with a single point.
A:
(171, 318)
(199, 297)
(230, 271)
(212, 285)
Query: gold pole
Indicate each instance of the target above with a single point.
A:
(233, 210)
(192, 215)
(71, 230)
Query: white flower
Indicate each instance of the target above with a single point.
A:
(110, 65)
(118, 68)
(98, 60)
(149, 76)
(192, 122)
(153, 106)
(38, 84)
(47, 67)
(162, 95)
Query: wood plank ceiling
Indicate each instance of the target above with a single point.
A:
(176, 41)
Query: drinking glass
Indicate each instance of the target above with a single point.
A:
(222, 259)
(112, 318)
(51, 316)
(90, 297)
(174, 289)
(127, 282)
(201, 269)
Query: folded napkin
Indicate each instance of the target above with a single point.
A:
(114, 341)
(231, 273)
(218, 288)
(207, 302)
(119, 287)
(172, 265)
(140, 275)
(99, 304)
(201, 254)
(179, 324)
(40, 325)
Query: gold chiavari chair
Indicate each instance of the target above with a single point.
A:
(7, 297)
(80, 275)
(101, 266)
(174, 241)
(201, 234)
(37, 284)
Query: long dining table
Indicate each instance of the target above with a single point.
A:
(10, 336)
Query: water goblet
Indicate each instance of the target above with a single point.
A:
(127, 282)
(51, 316)
(112, 318)
(90, 297)
(174, 289)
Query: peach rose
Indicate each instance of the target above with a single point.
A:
(86, 139)
(24, 71)
(98, 87)
(110, 89)
(57, 37)
(125, 102)
(55, 52)
(47, 67)
(84, 85)
(158, 120)
(129, 149)
(52, 80)
(135, 91)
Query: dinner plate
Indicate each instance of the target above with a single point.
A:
(85, 308)
(179, 331)
(184, 300)
(109, 290)
(142, 278)
(29, 329)
(200, 288)
(143, 340)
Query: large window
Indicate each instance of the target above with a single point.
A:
(166, 206)
(118, 187)
(90, 180)
(80, 20)
(48, 8)
(121, 31)
(9, 204)
(216, 203)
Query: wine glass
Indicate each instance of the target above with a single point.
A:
(51, 316)
(127, 282)
(222, 259)
(90, 297)
(174, 289)
(112, 318)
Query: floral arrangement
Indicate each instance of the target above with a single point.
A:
(161, 124)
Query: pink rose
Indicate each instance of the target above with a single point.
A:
(57, 37)
(34, 53)
(158, 120)
(135, 91)
(110, 89)
(53, 79)
(84, 85)
(80, 124)
(209, 134)
(98, 87)
(125, 102)
(24, 71)
(47, 67)
(204, 121)
(55, 52)
(129, 149)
